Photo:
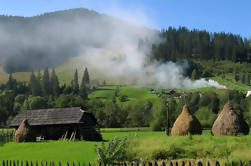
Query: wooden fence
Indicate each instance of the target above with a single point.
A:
(6, 135)
(154, 163)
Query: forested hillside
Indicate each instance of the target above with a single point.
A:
(182, 44)
(47, 40)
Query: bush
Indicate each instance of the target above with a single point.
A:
(206, 117)
(114, 151)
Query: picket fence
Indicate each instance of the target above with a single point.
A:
(154, 163)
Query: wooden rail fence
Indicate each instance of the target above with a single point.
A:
(154, 163)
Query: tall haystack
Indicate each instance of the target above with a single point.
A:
(186, 123)
(229, 122)
(23, 132)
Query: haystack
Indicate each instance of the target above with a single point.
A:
(229, 122)
(23, 132)
(186, 123)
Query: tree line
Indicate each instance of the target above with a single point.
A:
(181, 43)
(42, 91)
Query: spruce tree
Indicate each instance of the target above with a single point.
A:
(75, 84)
(46, 87)
(34, 85)
(243, 75)
(86, 78)
(54, 83)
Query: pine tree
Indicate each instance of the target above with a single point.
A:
(83, 91)
(243, 75)
(246, 79)
(75, 84)
(11, 83)
(86, 78)
(236, 76)
(34, 85)
(54, 83)
(194, 74)
(46, 87)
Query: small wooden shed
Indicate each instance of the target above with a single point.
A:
(57, 123)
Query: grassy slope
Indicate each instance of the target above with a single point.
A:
(221, 147)
(133, 93)
(64, 71)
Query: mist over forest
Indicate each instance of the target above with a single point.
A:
(31, 43)
(167, 58)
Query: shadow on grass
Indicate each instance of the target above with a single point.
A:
(100, 97)
(103, 89)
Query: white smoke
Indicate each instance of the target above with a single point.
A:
(107, 45)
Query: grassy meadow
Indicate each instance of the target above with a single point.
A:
(145, 145)
(133, 93)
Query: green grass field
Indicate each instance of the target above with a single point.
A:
(146, 145)
(133, 93)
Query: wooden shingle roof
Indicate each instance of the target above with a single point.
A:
(51, 116)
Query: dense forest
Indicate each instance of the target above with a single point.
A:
(181, 43)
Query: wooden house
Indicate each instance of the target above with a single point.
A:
(57, 123)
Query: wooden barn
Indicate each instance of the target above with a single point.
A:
(59, 123)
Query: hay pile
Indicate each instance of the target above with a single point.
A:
(229, 122)
(186, 123)
(23, 132)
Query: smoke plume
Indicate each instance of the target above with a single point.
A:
(104, 43)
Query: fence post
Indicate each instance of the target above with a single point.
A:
(170, 163)
(143, 163)
(217, 163)
(163, 163)
(199, 163)
(241, 164)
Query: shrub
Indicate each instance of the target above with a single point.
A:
(114, 151)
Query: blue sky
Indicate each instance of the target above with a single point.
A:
(212, 15)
